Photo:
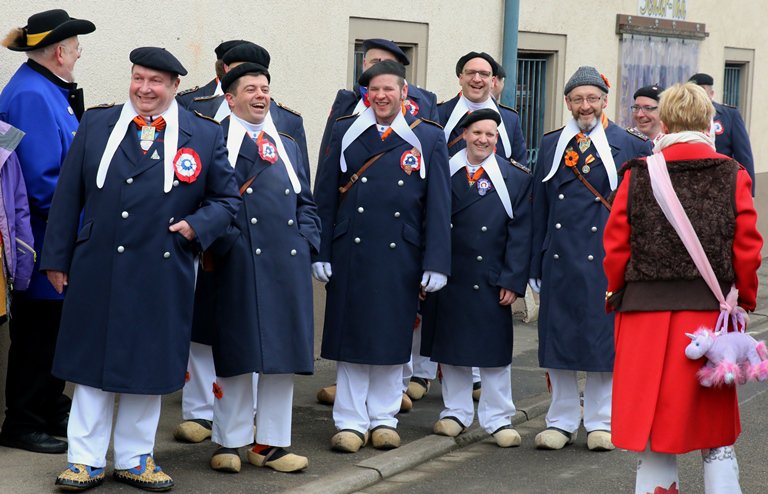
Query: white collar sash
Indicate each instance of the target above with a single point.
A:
(491, 167)
(170, 143)
(462, 108)
(223, 111)
(399, 126)
(235, 137)
(597, 135)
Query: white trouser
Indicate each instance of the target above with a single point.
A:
(565, 410)
(90, 426)
(197, 395)
(233, 412)
(495, 408)
(418, 366)
(367, 396)
(721, 471)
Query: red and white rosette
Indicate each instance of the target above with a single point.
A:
(412, 107)
(187, 165)
(267, 151)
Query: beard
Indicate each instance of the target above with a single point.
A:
(586, 124)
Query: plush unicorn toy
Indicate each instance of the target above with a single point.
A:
(733, 357)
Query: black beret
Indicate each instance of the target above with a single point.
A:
(240, 71)
(45, 29)
(384, 67)
(477, 115)
(158, 59)
(702, 79)
(473, 54)
(390, 46)
(500, 72)
(652, 92)
(226, 46)
(247, 52)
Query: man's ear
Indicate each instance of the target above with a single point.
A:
(405, 90)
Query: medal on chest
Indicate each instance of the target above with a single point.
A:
(483, 186)
(584, 142)
(411, 107)
(187, 165)
(146, 137)
(586, 168)
(410, 161)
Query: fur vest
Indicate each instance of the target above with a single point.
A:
(660, 274)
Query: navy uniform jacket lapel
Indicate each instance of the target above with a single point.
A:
(129, 146)
(471, 195)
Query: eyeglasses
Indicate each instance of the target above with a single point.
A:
(484, 74)
(578, 101)
(645, 108)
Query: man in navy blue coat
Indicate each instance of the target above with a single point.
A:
(197, 398)
(42, 100)
(262, 280)
(731, 138)
(384, 201)
(145, 186)
(575, 333)
(421, 104)
(476, 72)
(469, 323)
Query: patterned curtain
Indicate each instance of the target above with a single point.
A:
(647, 60)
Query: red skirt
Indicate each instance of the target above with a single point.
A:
(656, 394)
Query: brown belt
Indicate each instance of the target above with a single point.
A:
(590, 187)
(455, 140)
(373, 159)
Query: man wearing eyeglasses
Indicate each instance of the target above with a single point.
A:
(476, 73)
(576, 170)
(645, 111)
(43, 101)
(731, 138)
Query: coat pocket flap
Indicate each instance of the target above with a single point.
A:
(85, 232)
(340, 229)
(412, 235)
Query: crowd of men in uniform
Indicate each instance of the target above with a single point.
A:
(180, 236)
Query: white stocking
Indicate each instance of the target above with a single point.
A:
(655, 470)
(721, 471)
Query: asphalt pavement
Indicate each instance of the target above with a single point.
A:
(425, 463)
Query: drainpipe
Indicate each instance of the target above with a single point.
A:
(509, 50)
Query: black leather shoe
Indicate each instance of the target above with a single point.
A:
(37, 442)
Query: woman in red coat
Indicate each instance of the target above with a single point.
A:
(659, 407)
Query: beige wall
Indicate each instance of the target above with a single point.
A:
(308, 42)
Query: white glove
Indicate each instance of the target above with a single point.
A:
(432, 281)
(535, 284)
(322, 271)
